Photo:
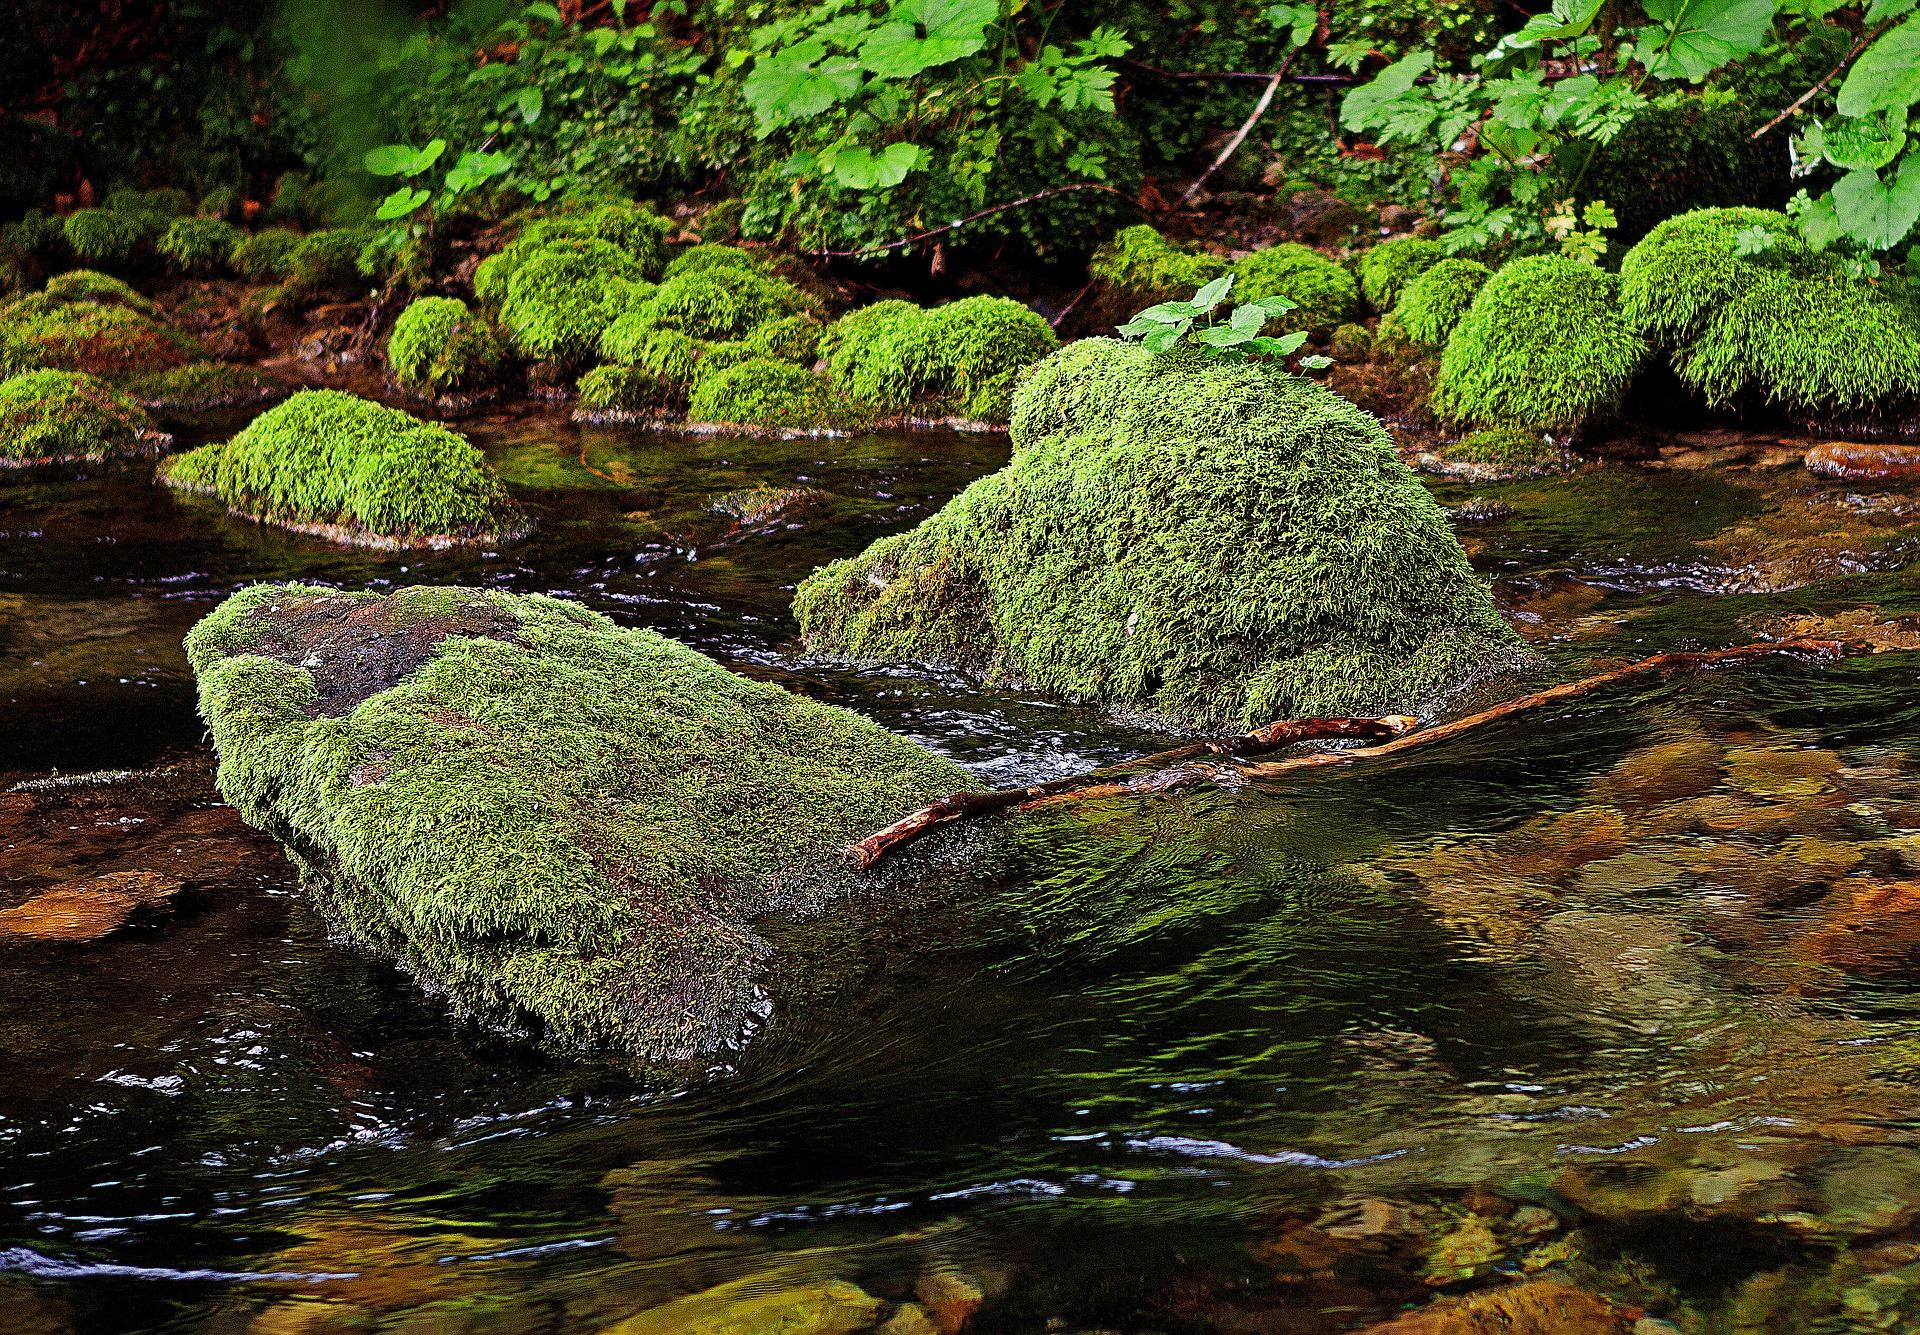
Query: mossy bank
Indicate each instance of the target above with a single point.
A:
(1215, 544)
(558, 823)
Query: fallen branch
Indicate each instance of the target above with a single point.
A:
(967, 806)
(972, 217)
(1175, 772)
(1233, 144)
(1845, 61)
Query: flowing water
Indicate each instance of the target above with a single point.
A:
(1621, 992)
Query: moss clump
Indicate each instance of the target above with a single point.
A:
(622, 391)
(200, 386)
(1351, 343)
(550, 819)
(1688, 151)
(327, 261)
(1511, 448)
(267, 255)
(1543, 345)
(761, 392)
(57, 416)
(1785, 323)
(709, 256)
(639, 234)
(199, 247)
(104, 237)
(718, 303)
(562, 297)
(1386, 269)
(1323, 293)
(1220, 544)
(796, 338)
(967, 354)
(45, 331)
(224, 202)
(440, 347)
(350, 468)
(1435, 302)
(1146, 267)
(88, 286)
(665, 353)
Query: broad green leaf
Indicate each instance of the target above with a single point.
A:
(603, 40)
(474, 168)
(1365, 103)
(1880, 11)
(1224, 336)
(531, 102)
(1692, 38)
(1316, 362)
(790, 86)
(1170, 312)
(401, 203)
(1878, 213)
(1274, 306)
(1277, 347)
(1166, 336)
(1136, 327)
(862, 169)
(1212, 294)
(1249, 317)
(920, 34)
(1856, 142)
(1569, 18)
(390, 159)
(1887, 75)
(540, 9)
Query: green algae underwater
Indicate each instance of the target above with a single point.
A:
(1618, 995)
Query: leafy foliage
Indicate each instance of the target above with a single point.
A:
(1171, 324)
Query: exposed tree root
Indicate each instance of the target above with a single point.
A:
(1171, 770)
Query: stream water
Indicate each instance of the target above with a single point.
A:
(1622, 991)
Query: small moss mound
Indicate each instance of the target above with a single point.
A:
(91, 287)
(113, 341)
(1543, 345)
(626, 391)
(1386, 269)
(355, 470)
(761, 392)
(637, 233)
(967, 354)
(1220, 544)
(556, 822)
(1435, 302)
(199, 247)
(796, 338)
(1146, 267)
(1351, 343)
(104, 237)
(267, 255)
(64, 416)
(562, 297)
(327, 261)
(202, 386)
(1784, 323)
(1512, 448)
(710, 256)
(719, 303)
(666, 353)
(1323, 292)
(440, 347)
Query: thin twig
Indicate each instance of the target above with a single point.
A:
(972, 217)
(1067, 310)
(1246, 126)
(1845, 61)
(1177, 771)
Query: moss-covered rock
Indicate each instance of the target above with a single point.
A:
(1386, 269)
(66, 416)
(104, 238)
(92, 287)
(267, 255)
(795, 338)
(1218, 544)
(719, 303)
(1784, 323)
(202, 386)
(439, 347)
(616, 393)
(1147, 268)
(709, 256)
(1543, 345)
(1685, 151)
(966, 355)
(1435, 302)
(356, 471)
(1323, 293)
(547, 818)
(637, 233)
(1351, 343)
(199, 247)
(770, 395)
(563, 296)
(88, 326)
(327, 261)
(666, 353)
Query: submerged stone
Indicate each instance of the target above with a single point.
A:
(88, 909)
(1218, 544)
(747, 1307)
(553, 820)
(1859, 461)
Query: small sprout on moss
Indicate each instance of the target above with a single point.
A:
(1173, 323)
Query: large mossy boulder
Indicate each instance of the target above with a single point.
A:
(356, 471)
(556, 822)
(1746, 309)
(1216, 544)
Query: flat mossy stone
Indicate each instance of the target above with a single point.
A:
(559, 823)
(1215, 544)
(96, 332)
(69, 416)
(350, 469)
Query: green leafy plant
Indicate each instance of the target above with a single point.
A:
(1172, 323)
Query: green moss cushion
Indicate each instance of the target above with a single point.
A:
(1435, 302)
(555, 822)
(89, 286)
(1222, 545)
(199, 247)
(1323, 293)
(761, 392)
(563, 296)
(965, 356)
(1543, 345)
(1783, 323)
(199, 386)
(1386, 269)
(56, 416)
(60, 331)
(438, 346)
(267, 255)
(1146, 267)
(354, 470)
(104, 238)
(719, 303)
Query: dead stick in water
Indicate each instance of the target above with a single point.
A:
(966, 806)
(1105, 782)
